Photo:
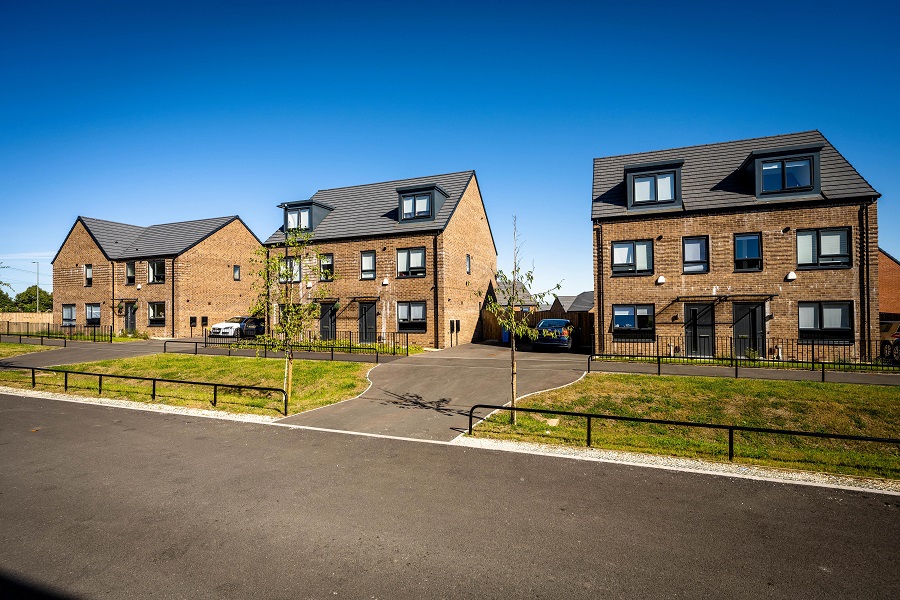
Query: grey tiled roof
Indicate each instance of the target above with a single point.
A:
(566, 301)
(122, 241)
(371, 209)
(525, 298)
(711, 179)
(583, 302)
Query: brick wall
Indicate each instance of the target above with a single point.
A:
(778, 227)
(446, 288)
(888, 283)
(203, 282)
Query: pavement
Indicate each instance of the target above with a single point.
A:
(428, 396)
(79, 352)
(107, 502)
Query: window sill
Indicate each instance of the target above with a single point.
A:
(695, 272)
(411, 276)
(633, 274)
(842, 342)
(156, 324)
(824, 267)
(404, 330)
(747, 271)
(155, 282)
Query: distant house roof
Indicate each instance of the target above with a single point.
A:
(372, 209)
(583, 302)
(502, 292)
(119, 241)
(712, 178)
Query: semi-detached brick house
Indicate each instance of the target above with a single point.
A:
(157, 279)
(407, 256)
(768, 244)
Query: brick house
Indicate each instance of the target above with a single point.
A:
(155, 279)
(888, 286)
(403, 256)
(767, 244)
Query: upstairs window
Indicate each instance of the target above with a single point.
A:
(88, 275)
(633, 322)
(236, 272)
(411, 262)
(748, 252)
(326, 267)
(468, 264)
(367, 265)
(129, 273)
(68, 315)
(659, 187)
(696, 254)
(289, 270)
(826, 321)
(156, 271)
(416, 206)
(298, 218)
(411, 316)
(91, 314)
(787, 175)
(632, 257)
(823, 248)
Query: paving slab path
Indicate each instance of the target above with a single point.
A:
(428, 396)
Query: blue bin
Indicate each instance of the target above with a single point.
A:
(504, 336)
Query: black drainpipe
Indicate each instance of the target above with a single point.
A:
(173, 296)
(112, 271)
(868, 288)
(437, 312)
(598, 240)
(863, 292)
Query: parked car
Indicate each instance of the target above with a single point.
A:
(890, 341)
(238, 327)
(554, 333)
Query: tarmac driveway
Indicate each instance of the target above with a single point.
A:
(428, 396)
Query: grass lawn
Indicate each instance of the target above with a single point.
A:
(8, 350)
(316, 383)
(866, 410)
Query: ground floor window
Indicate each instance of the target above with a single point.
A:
(634, 322)
(825, 321)
(92, 314)
(411, 316)
(156, 314)
(68, 315)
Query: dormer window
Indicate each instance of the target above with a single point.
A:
(659, 187)
(298, 218)
(786, 175)
(416, 206)
(654, 185)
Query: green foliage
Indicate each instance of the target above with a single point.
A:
(292, 307)
(25, 301)
(7, 304)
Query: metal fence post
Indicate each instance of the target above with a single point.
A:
(66, 381)
(589, 432)
(99, 385)
(32, 378)
(153, 392)
(823, 371)
(215, 393)
(658, 362)
(730, 443)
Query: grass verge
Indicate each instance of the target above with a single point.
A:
(8, 350)
(316, 383)
(864, 410)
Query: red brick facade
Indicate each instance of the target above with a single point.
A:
(888, 284)
(199, 283)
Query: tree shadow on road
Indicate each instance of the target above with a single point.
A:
(416, 401)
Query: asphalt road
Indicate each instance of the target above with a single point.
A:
(100, 502)
(428, 396)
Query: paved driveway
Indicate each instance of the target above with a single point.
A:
(79, 352)
(428, 396)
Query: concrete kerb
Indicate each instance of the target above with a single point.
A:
(359, 395)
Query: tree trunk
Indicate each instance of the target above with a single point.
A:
(290, 376)
(512, 352)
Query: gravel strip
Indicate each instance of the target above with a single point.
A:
(889, 486)
(152, 407)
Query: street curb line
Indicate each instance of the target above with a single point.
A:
(359, 395)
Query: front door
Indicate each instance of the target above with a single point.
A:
(748, 329)
(327, 321)
(130, 316)
(699, 329)
(367, 330)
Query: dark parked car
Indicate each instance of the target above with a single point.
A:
(890, 341)
(554, 333)
(238, 327)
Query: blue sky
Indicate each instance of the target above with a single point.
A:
(152, 112)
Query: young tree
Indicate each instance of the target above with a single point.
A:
(515, 321)
(288, 282)
(6, 303)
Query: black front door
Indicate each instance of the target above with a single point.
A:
(748, 329)
(130, 316)
(327, 321)
(366, 322)
(699, 329)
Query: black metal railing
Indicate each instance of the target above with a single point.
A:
(730, 428)
(744, 352)
(393, 343)
(154, 380)
(85, 333)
